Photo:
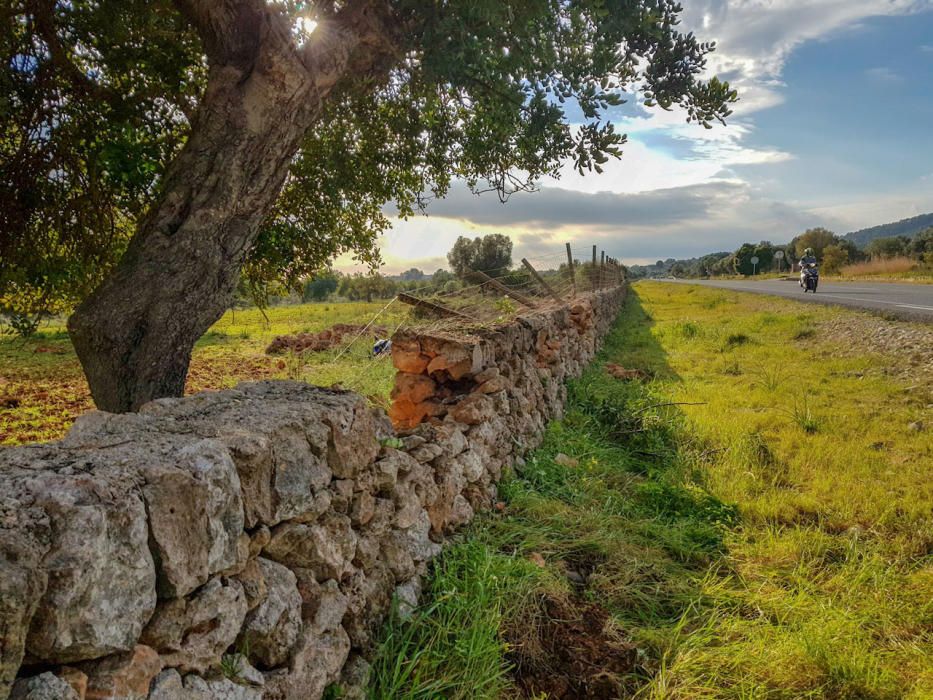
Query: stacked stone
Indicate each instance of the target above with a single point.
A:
(247, 544)
(502, 385)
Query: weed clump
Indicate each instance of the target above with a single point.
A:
(734, 340)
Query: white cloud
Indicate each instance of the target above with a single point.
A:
(883, 75)
(676, 191)
(756, 37)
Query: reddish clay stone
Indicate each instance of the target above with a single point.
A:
(414, 387)
(123, 675)
(412, 361)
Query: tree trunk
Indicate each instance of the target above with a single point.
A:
(134, 335)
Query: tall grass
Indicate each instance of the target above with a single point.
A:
(881, 266)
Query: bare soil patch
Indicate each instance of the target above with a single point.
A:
(573, 651)
(322, 340)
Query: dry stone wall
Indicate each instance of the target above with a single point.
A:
(247, 544)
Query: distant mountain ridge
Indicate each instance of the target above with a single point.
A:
(904, 227)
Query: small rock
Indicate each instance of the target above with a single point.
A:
(192, 633)
(411, 442)
(271, 630)
(218, 689)
(916, 427)
(565, 461)
(167, 686)
(123, 675)
(45, 686)
(74, 677)
(575, 577)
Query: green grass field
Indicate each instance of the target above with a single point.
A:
(755, 522)
(42, 388)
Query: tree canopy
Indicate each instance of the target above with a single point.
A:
(491, 254)
(262, 139)
(99, 96)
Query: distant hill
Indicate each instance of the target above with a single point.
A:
(905, 227)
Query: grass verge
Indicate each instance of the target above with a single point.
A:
(43, 390)
(753, 522)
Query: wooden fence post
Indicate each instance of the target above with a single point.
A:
(573, 279)
(432, 306)
(593, 272)
(540, 280)
(499, 287)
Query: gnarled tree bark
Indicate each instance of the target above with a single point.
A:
(134, 335)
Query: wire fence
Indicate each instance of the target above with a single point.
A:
(336, 342)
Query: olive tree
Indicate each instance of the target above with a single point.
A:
(160, 151)
(490, 254)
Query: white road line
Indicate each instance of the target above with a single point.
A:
(881, 301)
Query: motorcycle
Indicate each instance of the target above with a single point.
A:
(810, 277)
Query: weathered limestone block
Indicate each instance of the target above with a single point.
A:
(386, 473)
(407, 595)
(352, 443)
(253, 583)
(326, 547)
(315, 664)
(124, 675)
(354, 678)
(472, 465)
(472, 410)
(166, 686)
(427, 452)
(408, 507)
(45, 686)
(323, 604)
(299, 470)
(75, 678)
(460, 513)
(212, 466)
(195, 517)
(101, 577)
(197, 688)
(25, 537)
(270, 630)
(288, 439)
(367, 550)
(363, 508)
(449, 436)
(192, 633)
(369, 599)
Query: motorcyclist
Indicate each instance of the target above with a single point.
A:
(809, 258)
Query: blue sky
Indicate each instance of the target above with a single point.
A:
(834, 128)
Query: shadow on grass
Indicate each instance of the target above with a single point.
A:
(602, 523)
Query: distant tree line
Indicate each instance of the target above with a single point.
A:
(833, 251)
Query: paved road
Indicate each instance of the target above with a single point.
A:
(913, 301)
